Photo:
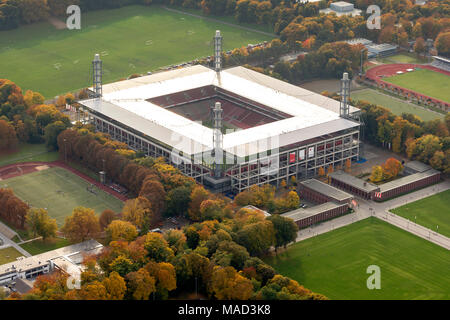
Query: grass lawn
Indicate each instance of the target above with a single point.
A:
(60, 191)
(28, 153)
(430, 83)
(335, 263)
(429, 212)
(39, 246)
(132, 39)
(403, 58)
(9, 255)
(397, 106)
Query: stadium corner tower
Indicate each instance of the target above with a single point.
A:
(228, 129)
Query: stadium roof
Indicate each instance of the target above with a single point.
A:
(312, 114)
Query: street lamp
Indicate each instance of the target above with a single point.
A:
(361, 67)
(65, 150)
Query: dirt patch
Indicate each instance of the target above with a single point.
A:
(58, 24)
(40, 168)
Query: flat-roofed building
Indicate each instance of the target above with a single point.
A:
(353, 185)
(319, 192)
(341, 8)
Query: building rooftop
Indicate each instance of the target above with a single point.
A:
(417, 166)
(353, 181)
(311, 114)
(87, 247)
(300, 214)
(407, 180)
(326, 189)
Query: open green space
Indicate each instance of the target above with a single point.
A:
(430, 83)
(28, 153)
(38, 246)
(335, 263)
(429, 212)
(395, 105)
(132, 39)
(403, 58)
(9, 255)
(60, 191)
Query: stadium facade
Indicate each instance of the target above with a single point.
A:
(228, 129)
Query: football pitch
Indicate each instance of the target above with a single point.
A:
(335, 263)
(60, 191)
(132, 39)
(429, 212)
(396, 106)
(430, 83)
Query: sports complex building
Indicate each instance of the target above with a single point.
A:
(228, 129)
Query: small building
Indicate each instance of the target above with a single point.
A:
(341, 8)
(353, 185)
(265, 213)
(381, 50)
(319, 192)
(67, 259)
(307, 217)
(407, 184)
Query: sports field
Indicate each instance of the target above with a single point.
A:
(132, 39)
(27, 152)
(395, 105)
(429, 212)
(430, 83)
(60, 191)
(335, 263)
(9, 255)
(403, 58)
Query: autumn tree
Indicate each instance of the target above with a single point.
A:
(106, 218)
(442, 43)
(157, 247)
(139, 212)
(227, 284)
(39, 223)
(81, 225)
(391, 168)
(115, 286)
(258, 237)
(140, 284)
(177, 201)
(121, 230)
(285, 230)
(377, 174)
(198, 195)
(8, 138)
(154, 191)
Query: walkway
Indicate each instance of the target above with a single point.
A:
(9, 243)
(381, 211)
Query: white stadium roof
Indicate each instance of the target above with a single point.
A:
(312, 114)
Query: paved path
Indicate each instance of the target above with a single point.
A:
(381, 211)
(222, 22)
(9, 243)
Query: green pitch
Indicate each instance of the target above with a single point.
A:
(427, 82)
(429, 212)
(60, 191)
(134, 39)
(335, 263)
(395, 105)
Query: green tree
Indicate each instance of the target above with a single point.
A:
(285, 230)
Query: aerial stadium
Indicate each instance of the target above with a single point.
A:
(227, 128)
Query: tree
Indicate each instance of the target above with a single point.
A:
(115, 286)
(176, 240)
(178, 201)
(211, 210)
(8, 138)
(106, 218)
(285, 230)
(348, 165)
(81, 225)
(121, 230)
(419, 46)
(229, 253)
(391, 168)
(140, 284)
(377, 174)
(41, 224)
(157, 247)
(51, 133)
(257, 237)
(442, 43)
(154, 191)
(198, 195)
(227, 284)
(139, 212)
(321, 172)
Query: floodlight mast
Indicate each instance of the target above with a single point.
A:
(97, 76)
(344, 111)
(218, 51)
(218, 139)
